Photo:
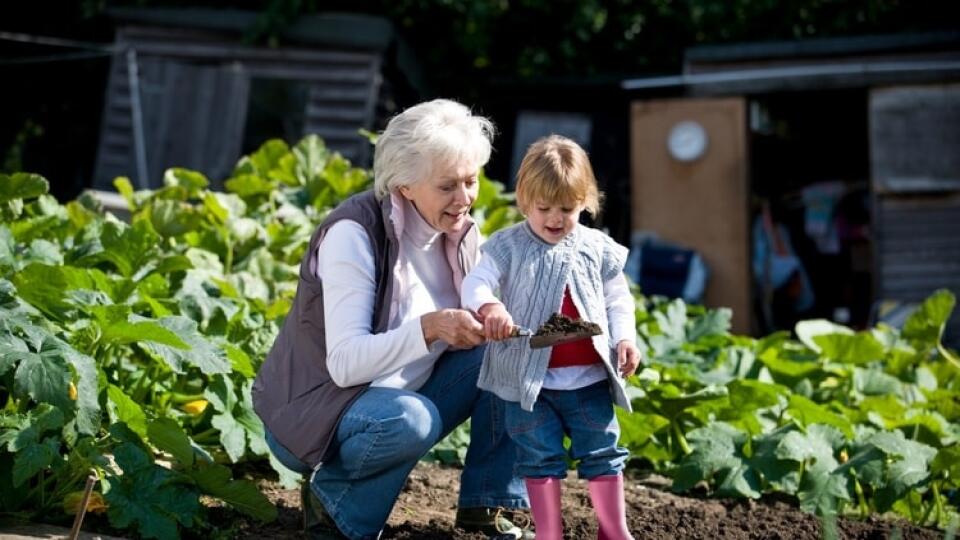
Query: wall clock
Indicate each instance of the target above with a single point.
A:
(687, 141)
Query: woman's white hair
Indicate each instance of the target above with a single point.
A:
(434, 133)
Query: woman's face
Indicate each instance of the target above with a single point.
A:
(552, 222)
(444, 199)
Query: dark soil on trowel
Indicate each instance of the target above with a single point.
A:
(427, 507)
(559, 323)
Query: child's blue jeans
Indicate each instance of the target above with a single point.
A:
(585, 415)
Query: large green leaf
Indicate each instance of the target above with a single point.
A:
(265, 159)
(172, 218)
(924, 326)
(125, 409)
(821, 491)
(22, 435)
(947, 463)
(637, 428)
(167, 435)
(807, 412)
(128, 248)
(34, 458)
(116, 329)
(714, 322)
(88, 404)
(239, 360)
(781, 474)
(201, 299)
(192, 181)
(220, 394)
(248, 418)
(22, 430)
(22, 186)
(807, 330)
(791, 369)
(248, 185)
(148, 497)
(12, 350)
(344, 179)
(312, 158)
(908, 465)
(243, 495)
(815, 447)
(717, 454)
(43, 252)
(203, 354)
(859, 348)
(874, 382)
(44, 375)
(8, 248)
(43, 286)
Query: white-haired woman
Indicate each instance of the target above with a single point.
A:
(376, 360)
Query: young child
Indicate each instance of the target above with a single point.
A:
(549, 263)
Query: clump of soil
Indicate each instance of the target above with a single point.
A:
(427, 507)
(558, 323)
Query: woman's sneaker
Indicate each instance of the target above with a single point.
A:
(495, 522)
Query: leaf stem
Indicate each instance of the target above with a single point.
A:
(861, 499)
(937, 501)
(678, 435)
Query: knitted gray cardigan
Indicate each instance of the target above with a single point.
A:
(534, 274)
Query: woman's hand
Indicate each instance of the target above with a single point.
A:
(628, 357)
(457, 327)
(497, 322)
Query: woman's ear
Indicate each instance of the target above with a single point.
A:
(404, 190)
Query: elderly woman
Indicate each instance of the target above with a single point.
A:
(376, 360)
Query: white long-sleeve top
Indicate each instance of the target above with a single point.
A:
(399, 357)
(478, 289)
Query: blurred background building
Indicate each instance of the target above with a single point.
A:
(789, 162)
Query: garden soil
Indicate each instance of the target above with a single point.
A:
(427, 507)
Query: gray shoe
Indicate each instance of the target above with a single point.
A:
(497, 523)
(317, 524)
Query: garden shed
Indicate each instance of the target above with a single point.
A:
(185, 89)
(818, 178)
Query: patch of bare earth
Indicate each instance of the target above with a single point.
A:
(427, 507)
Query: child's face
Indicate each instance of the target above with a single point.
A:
(552, 222)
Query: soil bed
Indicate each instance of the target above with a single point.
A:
(427, 507)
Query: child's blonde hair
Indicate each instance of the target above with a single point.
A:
(557, 171)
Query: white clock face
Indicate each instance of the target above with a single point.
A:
(687, 141)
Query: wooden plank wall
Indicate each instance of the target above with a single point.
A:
(702, 204)
(194, 89)
(915, 169)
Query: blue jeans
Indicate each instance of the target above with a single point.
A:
(386, 431)
(585, 415)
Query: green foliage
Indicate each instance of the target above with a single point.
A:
(844, 421)
(130, 349)
(140, 341)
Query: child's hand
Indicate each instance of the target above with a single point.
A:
(628, 357)
(497, 323)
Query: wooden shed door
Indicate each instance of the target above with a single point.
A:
(703, 203)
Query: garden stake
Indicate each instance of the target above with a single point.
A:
(78, 520)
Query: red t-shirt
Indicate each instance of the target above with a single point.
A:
(575, 353)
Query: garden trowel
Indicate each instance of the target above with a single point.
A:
(539, 341)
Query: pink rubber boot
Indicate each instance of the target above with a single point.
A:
(606, 493)
(545, 505)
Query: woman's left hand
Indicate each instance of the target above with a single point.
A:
(628, 357)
